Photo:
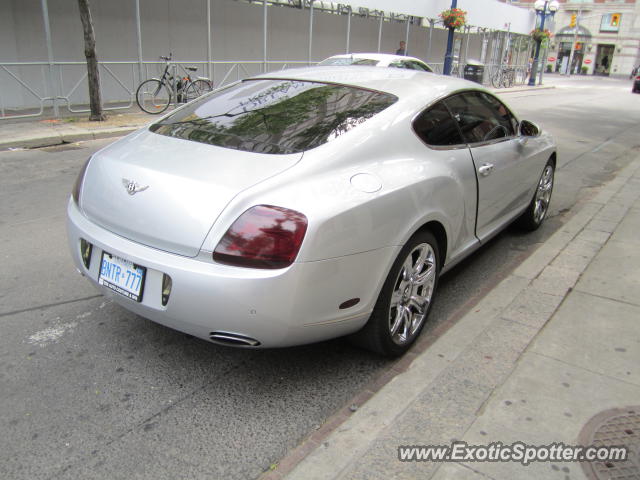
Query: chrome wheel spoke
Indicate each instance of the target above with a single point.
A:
(419, 303)
(396, 297)
(419, 263)
(397, 321)
(405, 273)
(406, 322)
(426, 278)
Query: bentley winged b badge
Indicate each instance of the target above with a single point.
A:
(133, 187)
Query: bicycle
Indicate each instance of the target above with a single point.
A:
(155, 95)
(504, 77)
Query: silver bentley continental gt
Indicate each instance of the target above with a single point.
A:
(307, 204)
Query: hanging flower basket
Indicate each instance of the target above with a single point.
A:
(454, 18)
(540, 35)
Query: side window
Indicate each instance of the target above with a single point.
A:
(419, 66)
(503, 113)
(397, 64)
(481, 118)
(436, 127)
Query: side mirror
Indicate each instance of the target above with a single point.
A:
(529, 129)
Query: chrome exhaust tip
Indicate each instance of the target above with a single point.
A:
(233, 339)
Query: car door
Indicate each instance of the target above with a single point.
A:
(445, 145)
(504, 178)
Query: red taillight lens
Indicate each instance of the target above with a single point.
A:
(78, 183)
(263, 237)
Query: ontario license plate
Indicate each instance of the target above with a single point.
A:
(122, 276)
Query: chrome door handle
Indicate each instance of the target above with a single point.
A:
(485, 169)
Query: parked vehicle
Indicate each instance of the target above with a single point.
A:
(636, 85)
(377, 60)
(307, 204)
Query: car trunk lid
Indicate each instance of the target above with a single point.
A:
(166, 192)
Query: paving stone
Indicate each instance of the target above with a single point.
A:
(532, 307)
(596, 334)
(556, 280)
(614, 273)
(602, 225)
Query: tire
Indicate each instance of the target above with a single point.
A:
(508, 80)
(538, 209)
(153, 96)
(496, 80)
(197, 88)
(397, 318)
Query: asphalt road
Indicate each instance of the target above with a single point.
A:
(89, 390)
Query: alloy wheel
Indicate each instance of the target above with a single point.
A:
(412, 294)
(543, 194)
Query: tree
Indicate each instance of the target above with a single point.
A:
(93, 75)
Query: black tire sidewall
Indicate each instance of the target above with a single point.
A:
(380, 317)
(193, 86)
(152, 80)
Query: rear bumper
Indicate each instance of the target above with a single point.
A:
(278, 308)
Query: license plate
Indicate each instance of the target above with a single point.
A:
(122, 276)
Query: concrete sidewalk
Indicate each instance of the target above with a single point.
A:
(45, 132)
(556, 343)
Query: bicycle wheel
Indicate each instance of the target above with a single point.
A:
(496, 79)
(508, 79)
(153, 96)
(197, 88)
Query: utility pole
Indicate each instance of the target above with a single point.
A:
(573, 44)
(448, 58)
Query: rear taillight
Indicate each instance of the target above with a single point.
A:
(78, 183)
(263, 237)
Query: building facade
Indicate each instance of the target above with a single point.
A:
(604, 36)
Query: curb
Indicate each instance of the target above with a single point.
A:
(523, 89)
(346, 437)
(59, 139)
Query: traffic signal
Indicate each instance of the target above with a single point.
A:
(572, 23)
(615, 19)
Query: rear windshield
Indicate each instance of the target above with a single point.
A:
(274, 116)
(349, 61)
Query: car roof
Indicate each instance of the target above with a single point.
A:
(400, 82)
(384, 58)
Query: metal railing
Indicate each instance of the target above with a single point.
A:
(520, 72)
(34, 87)
(40, 85)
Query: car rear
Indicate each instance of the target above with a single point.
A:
(144, 222)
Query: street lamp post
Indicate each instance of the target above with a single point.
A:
(543, 8)
(448, 57)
